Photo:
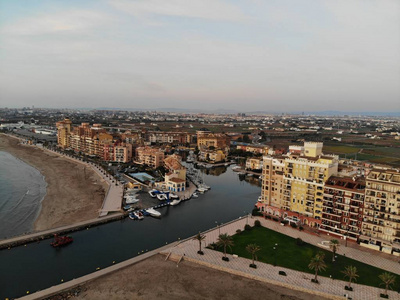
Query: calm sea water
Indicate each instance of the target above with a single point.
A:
(22, 189)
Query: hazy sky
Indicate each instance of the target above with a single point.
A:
(270, 55)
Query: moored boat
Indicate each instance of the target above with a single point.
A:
(175, 202)
(153, 212)
(195, 195)
(153, 193)
(161, 197)
(60, 241)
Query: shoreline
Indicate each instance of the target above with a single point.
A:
(71, 195)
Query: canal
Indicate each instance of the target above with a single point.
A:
(38, 266)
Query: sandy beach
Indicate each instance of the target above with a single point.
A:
(74, 192)
(155, 278)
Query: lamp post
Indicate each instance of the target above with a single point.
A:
(275, 248)
(219, 229)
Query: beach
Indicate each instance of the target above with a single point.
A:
(155, 278)
(74, 191)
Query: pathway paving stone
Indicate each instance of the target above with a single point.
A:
(294, 279)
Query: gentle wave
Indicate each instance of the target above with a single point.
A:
(22, 189)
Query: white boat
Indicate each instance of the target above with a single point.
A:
(161, 197)
(131, 200)
(250, 175)
(139, 215)
(153, 212)
(173, 196)
(153, 193)
(259, 198)
(201, 190)
(175, 202)
(195, 195)
(236, 168)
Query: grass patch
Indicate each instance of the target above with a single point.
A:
(290, 255)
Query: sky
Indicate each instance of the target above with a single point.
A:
(253, 55)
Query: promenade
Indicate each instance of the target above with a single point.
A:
(294, 279)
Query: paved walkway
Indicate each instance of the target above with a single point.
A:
(269, 273)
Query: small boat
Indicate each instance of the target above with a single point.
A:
(259, 198)
(153, 212)
(201, 190)
(175, 202)
(173, 196)
(161, 197)
(153, 193)
(242, 173)
(195, 195)
(60, 241)
(136, 215)
(131, 200)
(127, 207)
(250, 175)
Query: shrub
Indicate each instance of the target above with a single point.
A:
(275, 219)
(268, 217)
(299, 242)
(285, 222)
(247, 227)
(294, 225)
(257, 223)
(238, 231)
(256, 212)
(301, 228)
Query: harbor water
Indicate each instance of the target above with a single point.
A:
(38, 266)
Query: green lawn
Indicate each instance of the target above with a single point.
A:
(288, 254)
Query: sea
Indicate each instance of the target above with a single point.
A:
(22, 189)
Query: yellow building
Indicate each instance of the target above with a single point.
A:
(296, 183)
(63, 133)
(254, 163)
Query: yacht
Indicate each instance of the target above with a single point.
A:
(161, 197)
(153, 212)
(175, 202)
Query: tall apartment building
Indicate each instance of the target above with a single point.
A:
(342, 211)
(64, 129)
(152, 157)
(293, 185)
(381, 223)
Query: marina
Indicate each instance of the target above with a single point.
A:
(100, 246)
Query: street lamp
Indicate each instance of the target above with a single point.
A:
(275, 248)
(219, 229)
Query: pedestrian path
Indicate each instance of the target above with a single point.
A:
(268, 273)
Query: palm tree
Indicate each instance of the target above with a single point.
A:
(225, 240)
(387, 280)
(199, 237)
(253, 249)
(317, 263)
(334, 245)
(351, 273)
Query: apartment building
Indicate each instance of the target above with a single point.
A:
(175, 138)
(293, 185)
(153, 157)
(253, 149)
(216, 140)
(254, 163)
(381, 221)
(63, 133)
(343, 203)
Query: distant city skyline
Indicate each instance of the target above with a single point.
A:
(276, 56)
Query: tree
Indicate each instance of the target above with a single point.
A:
(351, 273)
(225, 240)
(253, 249)
(317, 263)
(334, 245)
(199, 237)
(387, 280)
